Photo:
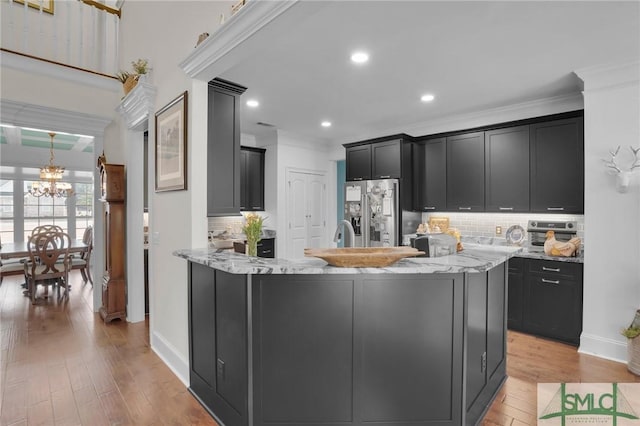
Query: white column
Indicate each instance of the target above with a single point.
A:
(612, 248)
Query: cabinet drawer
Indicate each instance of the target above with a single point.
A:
(553, 268)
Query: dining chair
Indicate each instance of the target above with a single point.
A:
(49, 262)
(46, 228)
(82, 262)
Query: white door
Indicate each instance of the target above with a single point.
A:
(306, 201)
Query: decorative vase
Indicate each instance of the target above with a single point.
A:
(252, 247)
(633, 355)
(130, 83)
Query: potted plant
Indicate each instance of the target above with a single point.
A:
(130, 79)
(633, 344)
(253, 231)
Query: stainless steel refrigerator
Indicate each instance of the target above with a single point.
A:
(373, 209)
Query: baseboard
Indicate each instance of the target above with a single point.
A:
(603, 347)
(168, 353)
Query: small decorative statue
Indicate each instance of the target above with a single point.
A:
(623, 177)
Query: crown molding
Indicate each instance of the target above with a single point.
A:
(254, 15)
(22, 114)
(137, 106)
(609, 75)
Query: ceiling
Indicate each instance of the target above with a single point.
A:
(473, 56)
(34, 138)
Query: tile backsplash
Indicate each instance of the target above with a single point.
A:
(484, 224)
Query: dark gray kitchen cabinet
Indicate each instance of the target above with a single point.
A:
(553, 300)
(465, 172)
(557, 166)
(358, 162)
(266, 247)
(516, 289)
(252, 179)
(218, 372)
(507, 169)
(430, 175)
(223, 148)
(386, 159)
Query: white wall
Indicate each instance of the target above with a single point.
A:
(165, 33)
(612, 219)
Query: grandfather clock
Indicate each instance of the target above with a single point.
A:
(114, 296)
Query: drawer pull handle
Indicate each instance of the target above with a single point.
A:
(429, 208)
(358, 178)
(550, 281)
(505, 208)
(551, 269)
(256, 207)
(385, 177)
(555, 208)
(464, 208)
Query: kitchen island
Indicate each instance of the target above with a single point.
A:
(280, 342)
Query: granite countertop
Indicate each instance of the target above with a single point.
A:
(525, 252)
(474, 258)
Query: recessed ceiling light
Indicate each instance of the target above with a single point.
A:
(252, 103)
(326, 124)
(427, 98)
(359, 57)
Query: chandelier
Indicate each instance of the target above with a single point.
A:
(50, 176)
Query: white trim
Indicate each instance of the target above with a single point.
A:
(35, 66)
(603, 347)
(609, 75)
(137, 107)
(171, 357)
(22, 114)
(204, 62)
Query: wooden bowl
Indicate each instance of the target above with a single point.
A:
(362, 257)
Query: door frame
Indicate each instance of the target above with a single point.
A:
(323, 175)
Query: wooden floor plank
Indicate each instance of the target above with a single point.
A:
(62, 365)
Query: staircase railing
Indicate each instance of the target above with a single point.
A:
(79, 33)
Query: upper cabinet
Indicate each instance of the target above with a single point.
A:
(465, 172)
(223, 148)
(386, 159)
(377, 160)
(358, 162)
(252, 179)
(557, 166)
(430, 175)
(507, 170)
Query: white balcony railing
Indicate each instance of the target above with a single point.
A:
(77, 33)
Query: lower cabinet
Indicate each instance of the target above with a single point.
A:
(267, 248)
(548, 302)
(348, 349)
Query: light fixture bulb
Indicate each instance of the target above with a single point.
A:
(252, 103)
(427, 98)
(359, 57)
(326, 124)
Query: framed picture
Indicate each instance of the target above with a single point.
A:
(171, 145)
(47, 5)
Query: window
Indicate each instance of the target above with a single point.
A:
(20, 212)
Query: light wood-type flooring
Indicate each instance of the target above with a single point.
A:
(61, 365)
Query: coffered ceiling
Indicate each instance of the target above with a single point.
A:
(40, 139)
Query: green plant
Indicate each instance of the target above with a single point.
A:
(252, 230)
(633, 330)
(141, 66)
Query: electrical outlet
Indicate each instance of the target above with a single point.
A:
(498, 230)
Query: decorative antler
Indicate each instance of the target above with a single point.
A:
(612, 163)
(636, 163)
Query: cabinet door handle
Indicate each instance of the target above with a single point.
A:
(555, 208)
(357, 178)
(256, 207)
(544, 268)
(505, 208)
(550, 281)
(429, 208)
(464, 208)
(385, 177)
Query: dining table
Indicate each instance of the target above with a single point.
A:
(20, 249)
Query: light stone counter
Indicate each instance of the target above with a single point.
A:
(474, 258)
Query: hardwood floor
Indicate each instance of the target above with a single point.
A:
(61, 365)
